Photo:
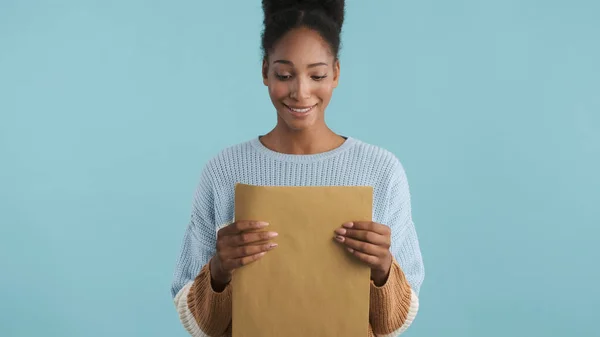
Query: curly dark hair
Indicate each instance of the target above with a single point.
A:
(325, 17)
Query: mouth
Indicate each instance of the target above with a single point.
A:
(300, 111)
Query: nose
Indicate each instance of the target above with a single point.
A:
(300, 89)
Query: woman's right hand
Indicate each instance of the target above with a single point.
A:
(238, 244)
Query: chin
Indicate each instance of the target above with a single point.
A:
(297, 124)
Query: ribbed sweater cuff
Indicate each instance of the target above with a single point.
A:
(211, 309)
(394, 305)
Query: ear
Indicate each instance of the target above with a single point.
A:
(265, 71)
(336, 72)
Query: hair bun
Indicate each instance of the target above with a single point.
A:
(332, 8)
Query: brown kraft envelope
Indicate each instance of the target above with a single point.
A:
(309, 286)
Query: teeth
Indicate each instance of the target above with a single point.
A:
(300, 110)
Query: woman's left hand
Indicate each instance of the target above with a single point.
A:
(370, 242)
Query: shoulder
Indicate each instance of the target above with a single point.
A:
(225, 161)
(387, 162)
(229, 155)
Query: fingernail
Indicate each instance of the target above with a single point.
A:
(262, 224)
(351, 250)
(348, 225)
(272, 234)
(340, 231)
(273, 245)
(339, 238)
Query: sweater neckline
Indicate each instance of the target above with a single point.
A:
(261, 148)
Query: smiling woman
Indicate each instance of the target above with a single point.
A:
(301, 69)
(301, 74)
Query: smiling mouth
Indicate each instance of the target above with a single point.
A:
(300, 110)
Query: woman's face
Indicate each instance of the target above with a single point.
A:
(301, 74)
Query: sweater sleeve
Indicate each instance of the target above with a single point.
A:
(202, 311)
(394, 305)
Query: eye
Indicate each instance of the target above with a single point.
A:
(319, 78)
(283, 77)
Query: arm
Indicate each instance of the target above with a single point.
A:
(202, 310)
(394, 305)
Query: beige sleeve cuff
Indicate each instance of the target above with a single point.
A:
(203, 311)
(394, 305)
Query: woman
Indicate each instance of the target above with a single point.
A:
(301, 68)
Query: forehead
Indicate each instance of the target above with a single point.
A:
(301, 46)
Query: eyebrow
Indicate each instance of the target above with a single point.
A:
(309, 66)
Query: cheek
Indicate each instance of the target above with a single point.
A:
(324, 91)
(278, 90)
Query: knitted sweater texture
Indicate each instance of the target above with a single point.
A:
(393, 306)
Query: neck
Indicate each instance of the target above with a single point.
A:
(312, 141)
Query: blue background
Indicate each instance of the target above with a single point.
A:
(109, 110)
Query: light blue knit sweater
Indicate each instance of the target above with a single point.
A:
(355, 163)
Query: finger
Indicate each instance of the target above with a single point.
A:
(241, 226)
(361, 246)
(243, 261)
(248, 238)
(366, 236)
(244, 251)
(370, 260)
(370, 226)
